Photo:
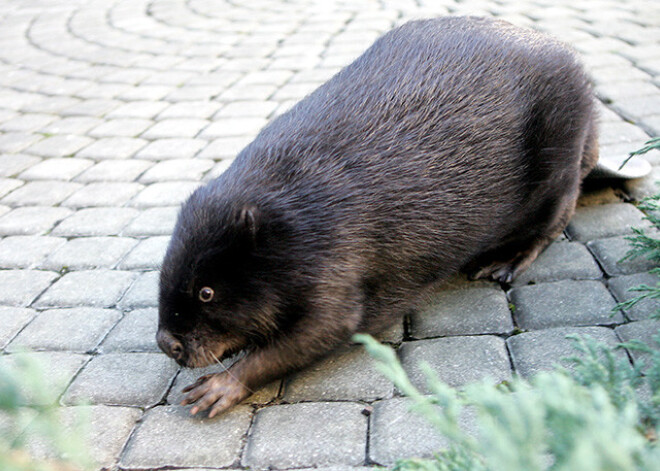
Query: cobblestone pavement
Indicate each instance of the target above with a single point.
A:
(112, 112)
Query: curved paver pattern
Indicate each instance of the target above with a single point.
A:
(113, 111)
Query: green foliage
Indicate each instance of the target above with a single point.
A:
(648, 146)
(35, 420)
(587, 418)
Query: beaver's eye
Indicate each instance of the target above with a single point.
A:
(205, 294)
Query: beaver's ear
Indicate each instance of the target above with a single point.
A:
(247, 222)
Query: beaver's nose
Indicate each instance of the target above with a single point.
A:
(170, 345)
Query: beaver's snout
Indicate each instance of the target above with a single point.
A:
(171, 346)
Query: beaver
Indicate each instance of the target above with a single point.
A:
(450, 143)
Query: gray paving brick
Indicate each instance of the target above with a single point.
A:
(250, 109)
(12, 320)
(91, 107)
(147, 255)
(199, 109)
(153, 221)
(27, 251)
(31, 220)
(143, 292)
(56, 369)
(561, 260)
(124, 127)
(122, 379)
(138, 109)
(182, 127)
(136, 332)
(56, 169)
(106, 431)
(462, 312)
(157, 441)
(113, 148)
(73, 330)
(40, 193)
(346, 375)
(21, 287)
(12, 142)
(95, 222)
(563, 303)
(169, 148)
(12, 165)
(59, 146)
(230, 127)
(247, 92)
(89, 252)
(643, 331)
(178, 169)
(609, 253)
(597, 222)
(396, 432)
(148, 92)
(27, 122)
(532, 352)
(457, 360)
(188, 376)
(74, 125)
(115, 171)
(306, 434)
(103, 194)
(96, 288)
(620, 287)
(225, 147)
(164, 194)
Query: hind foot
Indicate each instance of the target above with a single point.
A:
(505, 271)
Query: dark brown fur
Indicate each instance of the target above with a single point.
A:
(448, 143)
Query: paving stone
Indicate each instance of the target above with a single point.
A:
(59, 146)
(190, 109)
(12, 320)
(177, 169)
(124, 127)
(158, 440)
(27, 122)
(78, 125)
(396, 432)
(89, 252)
(7, 185)
(243, 109)
(643, 331)
(462, 312)
(113, 148)
(103, 194)
(168, 128)
(306, 434)
(132, 379)
(55, 369)
(167, 148)
(597, 222)
(561, 260)
(230, 127)
(225, 147)
(92, 107)
(138, 109)
(563, 303)
(148, 92)
(148, 254)
(41, 193)
(164, 194)
(12, 142)
(532, 352)
(56, 169)
(21, 287)
(345, 375)
(143, 292)
(115, 171)
(609, 253)
(136, 332)
(73, 330)
(620, 132)
(106, 430)
(620, 287)
(95, 222)
(457, 360)
(188, 376)
(27, 251)
(153, 221)
(96, 288)
(12, 165)
(31, 220)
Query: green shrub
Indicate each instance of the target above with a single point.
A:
(600, 415)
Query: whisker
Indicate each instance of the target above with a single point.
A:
(226, 370)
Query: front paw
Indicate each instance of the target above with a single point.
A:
(219, 391)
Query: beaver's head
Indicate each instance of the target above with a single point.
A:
(217, 295)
